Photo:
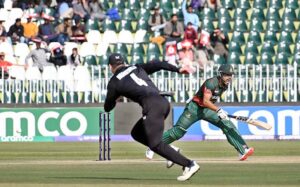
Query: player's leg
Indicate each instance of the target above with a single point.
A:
(187, 118)
(228, 128)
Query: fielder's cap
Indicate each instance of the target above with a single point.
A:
(115, 59)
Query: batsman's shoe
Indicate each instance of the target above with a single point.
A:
(170, 163)
(149, 154)
(189, 172)
(248, 152)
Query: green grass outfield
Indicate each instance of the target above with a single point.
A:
(275, 163)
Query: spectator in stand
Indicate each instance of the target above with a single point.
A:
(79, 9)
(64, 10)
(5, 66)
(47, 30)
(218, 41)
(156, 20)
(64, 31)
(16, 32)
(173, 29)
(74, 59)
(96, 10)
(197, 4)
(190, 34)
(3, 32)
(213, 4)
(38, 55)
(78, 32)
(203, 54)
(58, 58)
(189, 16)
(31, 29)
(186, 55)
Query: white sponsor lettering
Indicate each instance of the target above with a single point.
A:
(295, 116)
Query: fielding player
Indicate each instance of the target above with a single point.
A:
(202, 107)
(133, 82)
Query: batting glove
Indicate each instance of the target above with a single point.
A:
(222, 114)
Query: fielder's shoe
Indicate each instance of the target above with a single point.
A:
(189, 172)
(170, 163)
(248, 152)
(149, 154)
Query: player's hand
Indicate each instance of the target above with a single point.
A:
(187, 69)
(222, 114)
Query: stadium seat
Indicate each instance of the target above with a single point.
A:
(49, 77)
(273, 25)
(251, 58)
(240, 25)
(256, 25)
(233, 58)
(224, 24)
(282, 58)
(93, 36)
(4, 14)
(108, 24)
(244, 4)
(134, 4)
(137, 48)
(229, 4)
(68, 47)
(142, 25)
(260, 4)
(153, 48)
(126, 37)
(21, 49)
(110, 37)
(252, 48)
(266, 58)
(141, 36)
(235, 47)
(90, 60)
(284, 47)
(152, 56)
(240, 13)
(15, 13)
(87, 49)
(83, 84)
(223, 13)
(137, 58)
(102, 49)
(91, 25)
(166, 5)
(33, 76)
(219, 59)
(120, 4)
(267, 47)
(121, 48)
(270, 36)
(288, 25)
(125, 25)
(254, 37)
(208, 13)
(148, 4)
(286, 37)
(207, 25)
(238, 37)
(66, 83)
(293, 4)
(6, 48)
(296, 58)
(275, 4)
(144, 14)
(289, 14)
(273, 14)
(127, 14)
(258, 13)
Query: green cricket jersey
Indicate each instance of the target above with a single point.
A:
(212, 86)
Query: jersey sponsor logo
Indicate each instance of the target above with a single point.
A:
(126, 72)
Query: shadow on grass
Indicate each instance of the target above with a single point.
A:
(112, 178)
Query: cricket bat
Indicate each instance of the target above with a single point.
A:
(254, 122)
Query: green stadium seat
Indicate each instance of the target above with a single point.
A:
(258, 13)
(219, 59)
(137, 58)
(234, 47)
(244, 4)
(49, 11)
(256, 25)
(142, 25)
(273, 14)
(251, 58)
(166, 5)
(229, 4)
(240, 25)
(288, 25)
(268, 48)
(266, 58)
(273, 25)
(108, 25)
(254, 37)
(105, 4)
(238, 37)
(275, 4)
(207, 25)
(134, 4)
(208, 13)
(103, 59)
(137, 48)
(153, 48)
(152, 56)
(224, 24)
(223, 13)
(292, 4)
(286, 37)
(270, 36)
(240, 13)
(90, 60)
(121, 48)
(233, 58)
(91, 25)
(127, 14)
(260, 4)
(148, 4)
(296, 58)
(120, 4)
(125, 25)
(297, 48)
(251, 47)
(143, 14)
(282, 58)
(289, 14)
(284, 47)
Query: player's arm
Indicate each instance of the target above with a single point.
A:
(156, 65)
(111, 97)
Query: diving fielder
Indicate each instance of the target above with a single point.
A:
(202, 107)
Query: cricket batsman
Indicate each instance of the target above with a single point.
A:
(202, 107)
